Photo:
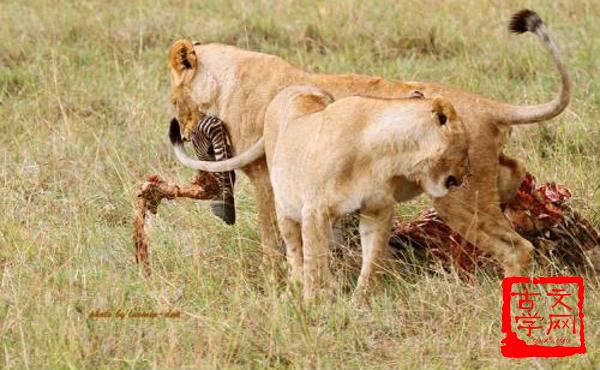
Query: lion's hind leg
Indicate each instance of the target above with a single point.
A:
(316, 234)
(510, 176)
(291, 232)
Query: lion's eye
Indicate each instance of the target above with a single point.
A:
(452, 181)
(442, 117)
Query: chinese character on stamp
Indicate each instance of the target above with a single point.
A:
(542, 316)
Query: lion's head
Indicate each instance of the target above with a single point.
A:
(447, 167)
(193, 90)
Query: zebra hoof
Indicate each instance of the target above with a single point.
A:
(224, 210)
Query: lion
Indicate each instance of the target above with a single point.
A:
(237, 85)
(378, 151)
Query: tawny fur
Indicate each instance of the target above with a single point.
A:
(327, 159)
(236, 85)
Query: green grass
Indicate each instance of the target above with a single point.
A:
(83, 119)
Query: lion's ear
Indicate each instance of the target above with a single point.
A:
(416, 94)
(443, 110)
(183, 62)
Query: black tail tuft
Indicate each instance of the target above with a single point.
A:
(174, 133)
(525, 20)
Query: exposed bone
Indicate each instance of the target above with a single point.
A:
(152, 192)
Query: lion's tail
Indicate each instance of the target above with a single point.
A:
(255, 152)
(523, 21)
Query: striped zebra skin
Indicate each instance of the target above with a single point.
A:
(211, 143)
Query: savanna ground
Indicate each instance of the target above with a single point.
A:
(83, 119)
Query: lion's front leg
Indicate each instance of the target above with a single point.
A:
(474, 212)
(267, 220)
(374, 236)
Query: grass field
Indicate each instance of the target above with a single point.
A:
(83, 119)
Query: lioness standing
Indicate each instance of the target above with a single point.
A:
(327, 159)
(236, 85)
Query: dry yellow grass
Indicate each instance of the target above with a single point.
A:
(83, 119)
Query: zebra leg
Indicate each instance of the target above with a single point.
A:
(211, 143)
(223, 204)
